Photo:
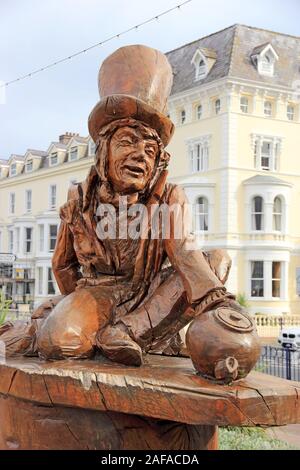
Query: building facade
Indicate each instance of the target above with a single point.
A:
(32, 188)
(235, 151)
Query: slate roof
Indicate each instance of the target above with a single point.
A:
(38, 153)
(234, 47)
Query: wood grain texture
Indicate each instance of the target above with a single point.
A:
(164, 388)
(64, 428)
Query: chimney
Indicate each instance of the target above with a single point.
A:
(66, 137)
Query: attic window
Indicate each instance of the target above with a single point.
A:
(73, 154)
(13, 169)
(53, 159)
(203, 60)
(264, 57)
(29, 166)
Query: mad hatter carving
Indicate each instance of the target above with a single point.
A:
(128, 286)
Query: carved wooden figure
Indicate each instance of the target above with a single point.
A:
(125, 295)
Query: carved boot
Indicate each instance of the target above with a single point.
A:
(116, 344)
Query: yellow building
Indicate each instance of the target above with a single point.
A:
(235, 151)
(32, 188)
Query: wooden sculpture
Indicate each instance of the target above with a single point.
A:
(125, 295)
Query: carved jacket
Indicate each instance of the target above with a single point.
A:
(127, 268)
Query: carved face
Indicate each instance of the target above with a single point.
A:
(131, 160)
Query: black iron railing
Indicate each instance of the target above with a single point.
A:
(281, 362)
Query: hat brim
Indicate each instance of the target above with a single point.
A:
(114, 107)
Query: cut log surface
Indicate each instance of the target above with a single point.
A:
(164, 388)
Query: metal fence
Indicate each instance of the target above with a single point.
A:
(280, 362)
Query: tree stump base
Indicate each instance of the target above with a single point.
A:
(162, 405)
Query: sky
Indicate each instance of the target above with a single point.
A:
(34, 33)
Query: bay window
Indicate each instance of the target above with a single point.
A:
(257, 217)
(257, 278)
(201, 214)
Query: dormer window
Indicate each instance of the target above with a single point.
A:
(203, 60)
(73, 154)
(201, 69)
(29, 166)
(53, 159)
(13, 169)
(92, 147)
(264, 58)
(290, 112)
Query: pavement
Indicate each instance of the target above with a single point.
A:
(289, 434)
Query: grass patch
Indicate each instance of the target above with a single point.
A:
(244, 438)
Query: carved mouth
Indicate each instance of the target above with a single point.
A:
(135, 170)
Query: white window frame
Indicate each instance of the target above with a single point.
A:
(199, 153)
(275, 151)
(29, 166)
(182, 116)
(199, 111)
(53, 155)
(41, 231)
(52, 196)
(268, 278)
(201, 65)
(254, 213)
(10, 241)
(244, 104)
(12, 203)
(40, 276)
(275, 279)
(217, 106)
(51, 238)
(290, 112)
(277, 214)
(202, 215)
(268, 108)
(266, 61)
(28, 201)
(257, 279)
(13, 169)
(50, 280)
(73, 151)
(18, 239)
(92, 148)
(28, 240)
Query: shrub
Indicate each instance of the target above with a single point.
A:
(4, 307)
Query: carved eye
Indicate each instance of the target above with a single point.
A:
(150, 150)
(126, 142)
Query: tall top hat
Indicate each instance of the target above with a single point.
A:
(134, 81)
